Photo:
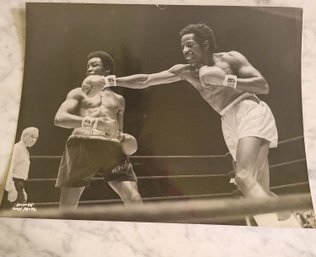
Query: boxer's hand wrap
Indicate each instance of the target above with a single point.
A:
(110, 81)
(89, 122)
(230, 81)
(106, 82)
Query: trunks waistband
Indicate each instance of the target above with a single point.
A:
(244, 96)
(91, 133)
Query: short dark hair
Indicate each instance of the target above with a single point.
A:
(202, 33)
(107, 60)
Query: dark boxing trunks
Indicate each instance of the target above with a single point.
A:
(83, 158)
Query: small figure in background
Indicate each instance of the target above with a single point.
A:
(19, 168)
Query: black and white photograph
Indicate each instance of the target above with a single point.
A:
(161, 113)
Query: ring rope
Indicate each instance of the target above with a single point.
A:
(145, 156)
(176, 197)
(286, 163)
(173, 197)
(169, 156)
(215, 210)
(145, 177)
(305, 183)
(176, 176)
(210, 156)
(227, 174)
(290, 140)
(154, 198)
(185, 176)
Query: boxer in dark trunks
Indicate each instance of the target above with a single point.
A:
(97, 143)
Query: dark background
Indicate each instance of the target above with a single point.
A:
(166, 120)
(170, 119)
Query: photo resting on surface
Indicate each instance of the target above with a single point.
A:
(146, 113)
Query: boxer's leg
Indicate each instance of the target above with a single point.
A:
(250, 157)
(69, 197)
(263, 169)
(127, 190)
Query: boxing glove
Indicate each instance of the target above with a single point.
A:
(93, 84)
(215, 76)
(128, 144)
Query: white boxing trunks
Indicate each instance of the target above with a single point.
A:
(250, 117)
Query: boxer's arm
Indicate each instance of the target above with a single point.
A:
(65, 116)
(120, 116)
(140, 81)
(249, 79)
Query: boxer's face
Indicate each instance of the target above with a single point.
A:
(30, 139)
(193, 52)
(95, 67)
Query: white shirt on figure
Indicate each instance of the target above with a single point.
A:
(20, 165)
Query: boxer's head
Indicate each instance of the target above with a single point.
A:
(29, 136)
(197, 43)
(100, 63)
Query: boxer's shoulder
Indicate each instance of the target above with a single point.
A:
(180, 69)
(233, 59)
(230, 57)
(76, 93)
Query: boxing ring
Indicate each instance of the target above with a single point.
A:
(189, 208)
(187, 211)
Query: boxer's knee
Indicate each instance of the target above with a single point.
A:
(69, 197)
(133, 198)
(249, 185)
(245, 180)
(136, 198)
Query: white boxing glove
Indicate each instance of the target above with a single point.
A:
(93, 84)
(211, 75)
(128, 144)
(215, 76)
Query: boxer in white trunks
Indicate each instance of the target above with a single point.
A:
(229, 84)
(97, 143)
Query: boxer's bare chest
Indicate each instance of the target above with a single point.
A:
(192, 76)
(104, 104)
(216, 96)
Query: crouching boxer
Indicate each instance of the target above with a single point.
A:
(93, 85)
(97, 143)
